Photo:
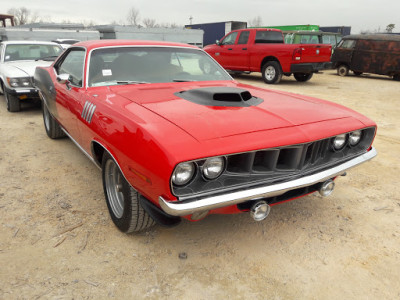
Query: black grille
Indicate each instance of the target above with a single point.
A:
(280, 159)
(274, 165)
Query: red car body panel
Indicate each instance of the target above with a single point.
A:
(250, 56)
(149, 130)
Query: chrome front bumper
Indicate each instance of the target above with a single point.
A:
(189, 206)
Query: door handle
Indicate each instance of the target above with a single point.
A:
(244, 48)
(230, 49)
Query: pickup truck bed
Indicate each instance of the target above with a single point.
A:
(263, 50)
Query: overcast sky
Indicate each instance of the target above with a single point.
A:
(359, 14)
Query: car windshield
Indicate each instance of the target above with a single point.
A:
(139, 65)
(30, 51)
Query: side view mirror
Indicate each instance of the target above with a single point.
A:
(218, 42)
(63, 78)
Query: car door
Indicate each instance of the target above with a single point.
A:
(240, 53)
(224, 54)
(344, 52)
(70, 93)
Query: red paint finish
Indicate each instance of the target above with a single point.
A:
(250, 56)
(149, 130)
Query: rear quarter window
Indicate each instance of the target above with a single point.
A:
(269, 37)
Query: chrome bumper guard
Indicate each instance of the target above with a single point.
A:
(189, 206)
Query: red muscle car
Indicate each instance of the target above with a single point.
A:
(175, 136)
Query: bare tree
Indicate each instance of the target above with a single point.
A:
(133, 17)
(45, 19)
(34, 17)
(23, 15)
(169, 25)
(255, 22)
(389, 28)
(88, 23)
(174, 25)
(149, 23)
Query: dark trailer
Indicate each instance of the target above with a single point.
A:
(369, 53)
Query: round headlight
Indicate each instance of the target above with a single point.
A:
(213, 167)
(355, 137)
(339, 141)
(183, 173)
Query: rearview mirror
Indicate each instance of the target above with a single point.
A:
(63, 78)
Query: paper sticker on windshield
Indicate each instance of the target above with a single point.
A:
(107, 72)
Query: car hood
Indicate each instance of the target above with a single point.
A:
(24, 68)
(278, 110)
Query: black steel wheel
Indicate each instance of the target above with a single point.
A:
(302, 77)
(53, 129)
(122, 199)
(271, 72)
(343, 70)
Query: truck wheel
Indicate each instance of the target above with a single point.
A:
(122, 199)
(271, 72)
(357, 73)
(53, 129)
(343, 70)
(302, 77)
(396, 77)
(13, 103)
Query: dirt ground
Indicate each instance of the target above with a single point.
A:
(57, 240)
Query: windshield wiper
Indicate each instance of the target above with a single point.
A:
(48, 58)
(130, 82)
(182, 80)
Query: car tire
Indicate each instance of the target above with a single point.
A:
(343, 70)
(122, 199)
(1, 87)
(302, 77)
(13, 103)
(357, 73)
(53, 129)
(271, 72)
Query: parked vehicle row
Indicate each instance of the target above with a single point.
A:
(176, 137)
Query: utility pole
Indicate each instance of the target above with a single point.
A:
(190, 19)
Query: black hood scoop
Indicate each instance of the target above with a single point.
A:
(220, 96)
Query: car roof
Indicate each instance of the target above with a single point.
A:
(259, 29)
(110, 43)
(28, 42)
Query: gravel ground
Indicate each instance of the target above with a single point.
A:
(57, 240)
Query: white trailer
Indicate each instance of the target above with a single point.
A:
(179, 35)
(39, 34)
